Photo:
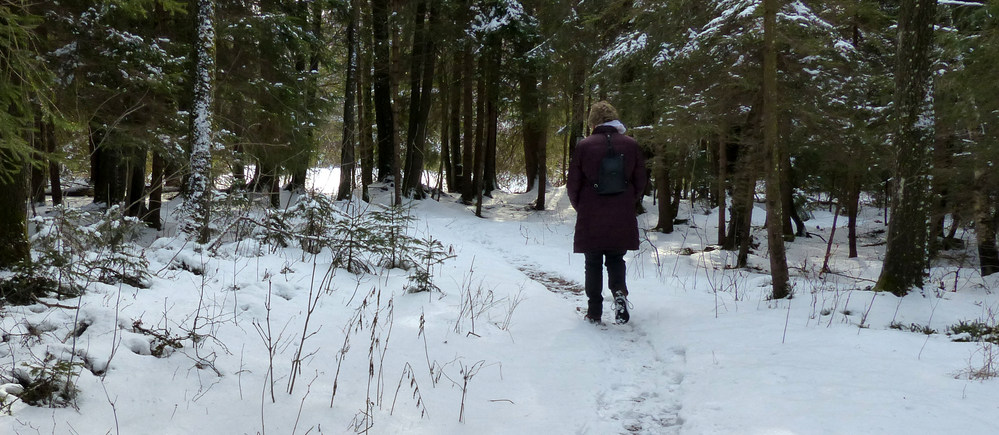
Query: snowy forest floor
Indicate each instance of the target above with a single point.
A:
(267, 341)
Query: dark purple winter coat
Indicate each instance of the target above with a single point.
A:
(605, 222)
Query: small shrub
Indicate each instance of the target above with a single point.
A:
(390, 239)
(25, 286)
(84, 246)
(49, 384)
(427, 254)
(974, 331)
(318, 215)
(276, 230)
(922, 329)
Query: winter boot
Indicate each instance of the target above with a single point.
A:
(621, 314)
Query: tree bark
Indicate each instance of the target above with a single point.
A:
(136, 198)
(55, 171)
(906, 248)
(347, 158)
(986, 220)
(198, 201)
(384, 117)
(421, 88)
(775, 214)
(852, 210)
(456, 97)
(107, 169)
(664, 194)
(14, 247)
(529, 115)
(542, 150)
(471, 135)
(364, 100)
(577, 110)
(988, 252)
(534, 121)
(722, 181)
(37, 185)
(480, 127)
(446, 165)
(492, 119)
(153, 218)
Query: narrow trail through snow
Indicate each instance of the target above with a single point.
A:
(641, 389)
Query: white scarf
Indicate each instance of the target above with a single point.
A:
(616, 124)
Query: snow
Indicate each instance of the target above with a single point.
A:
(959, 3)
(503, 346)
(625, 46)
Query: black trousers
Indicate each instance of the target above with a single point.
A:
(595, 261)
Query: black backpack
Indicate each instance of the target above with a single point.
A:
(610, 179)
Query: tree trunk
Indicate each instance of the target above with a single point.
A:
(364, 102)
(347, 158)
(446, 165)
(384, 117)
(744, 179)
(986, 221)
(529, 115)
(108, 173)
(577, 109)
(421, 88)
(55, 171)
(775, 214)
(198, 201)
(743, 193)
(14, 247)
(469, 140)
(136, 198)
(416, 60)
(542, 150)
(492, 118)
(37, 185)
(480, 127)
(664, 194)
(457, 165)
(153, 218)
(787, 186)
(852, 210)
(988, 252)
(906, 248)
(722, 181)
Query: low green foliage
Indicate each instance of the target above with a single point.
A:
(974, 331)
(913, 327)
(75, 247)
(49, 383)
(426, 254)
(25, 287)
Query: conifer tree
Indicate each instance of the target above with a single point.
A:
(906, 253)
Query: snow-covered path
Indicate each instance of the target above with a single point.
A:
(637, 386)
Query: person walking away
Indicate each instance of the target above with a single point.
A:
(606, 224)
